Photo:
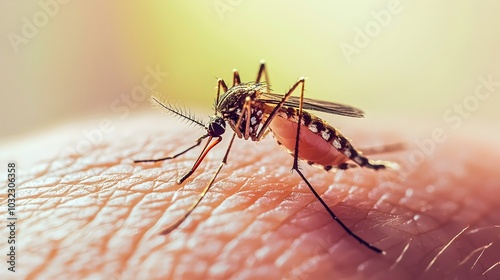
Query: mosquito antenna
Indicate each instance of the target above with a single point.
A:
(179, 112)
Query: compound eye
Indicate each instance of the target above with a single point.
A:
(216, 127)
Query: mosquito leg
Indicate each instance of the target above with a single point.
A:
(205, 151)
(296, 168)
(236, 78)
(361, 240)
(224, 160)
(246, 112)
(262, 70)
(220, 83)
(177, 223)
(273, 113)
(198, 142)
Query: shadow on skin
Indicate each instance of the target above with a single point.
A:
(99, 214)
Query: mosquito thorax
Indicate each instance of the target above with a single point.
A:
(216, 126)
(231, 104)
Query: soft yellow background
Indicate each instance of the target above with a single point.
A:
(426, 59)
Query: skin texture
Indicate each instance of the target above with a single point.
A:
(98, 214)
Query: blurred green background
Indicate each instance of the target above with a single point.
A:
(65, 60)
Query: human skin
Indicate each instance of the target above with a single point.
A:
(97, 214)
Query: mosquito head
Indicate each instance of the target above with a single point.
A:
(216, 126)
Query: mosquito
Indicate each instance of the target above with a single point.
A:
(252, 110)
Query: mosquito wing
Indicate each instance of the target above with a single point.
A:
(315, 105)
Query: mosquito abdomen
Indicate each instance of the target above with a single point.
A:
(319, 142)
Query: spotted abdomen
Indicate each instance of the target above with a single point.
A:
(319, 142)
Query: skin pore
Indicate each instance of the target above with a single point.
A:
(97, 214)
